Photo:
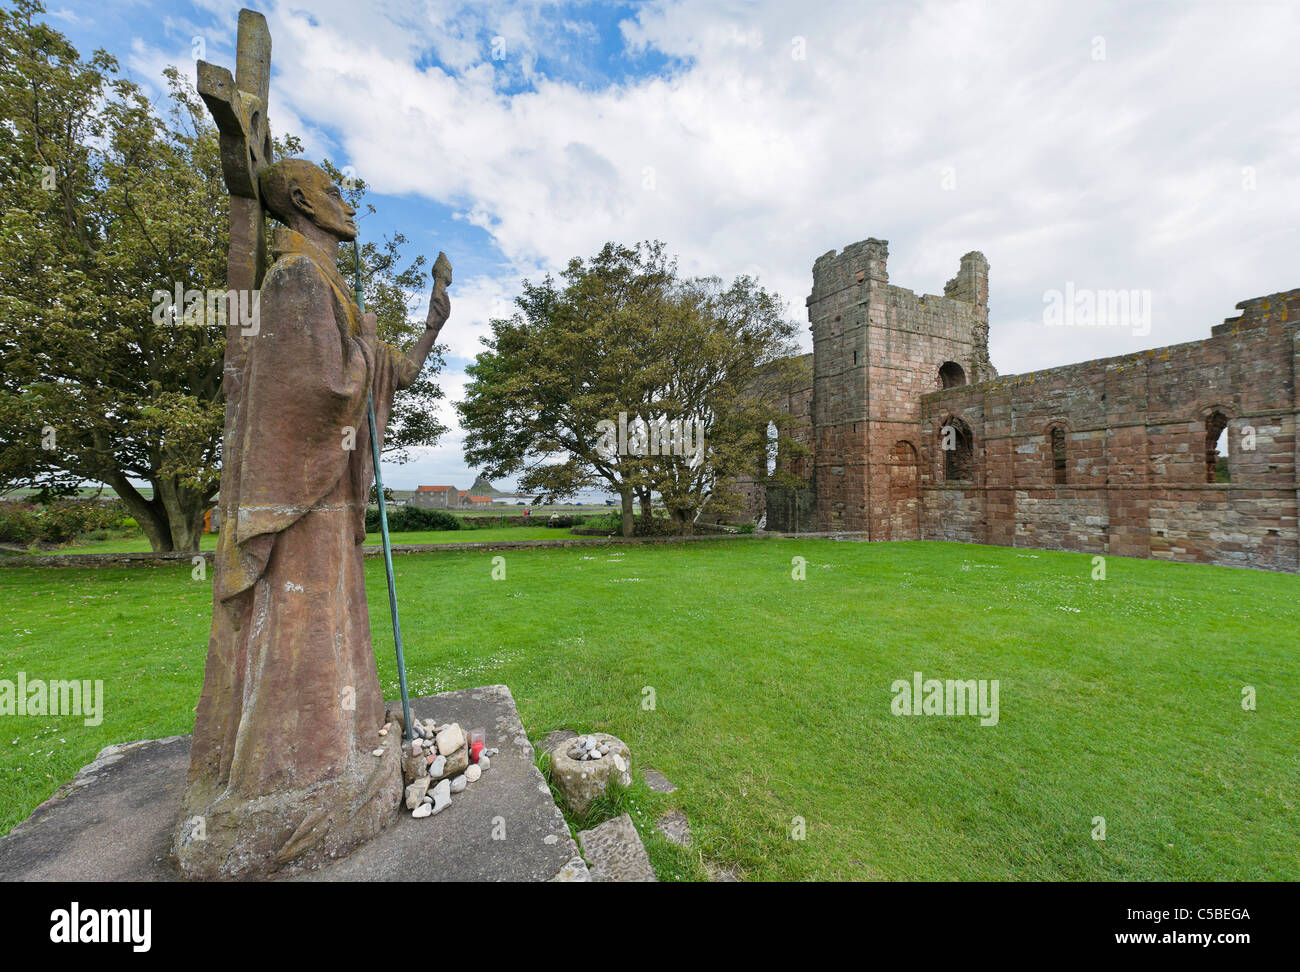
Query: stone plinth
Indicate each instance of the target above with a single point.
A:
(116, 820)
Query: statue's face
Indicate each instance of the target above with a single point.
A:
(322, 202)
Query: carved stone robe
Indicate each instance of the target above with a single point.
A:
(282, 768)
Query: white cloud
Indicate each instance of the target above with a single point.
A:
(1125, 172)
(474, 303)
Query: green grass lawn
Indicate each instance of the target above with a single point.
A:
(209, 540)
(1119, 698)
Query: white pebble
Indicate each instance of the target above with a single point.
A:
(442, 796)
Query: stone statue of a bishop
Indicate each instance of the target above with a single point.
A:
(284, 767)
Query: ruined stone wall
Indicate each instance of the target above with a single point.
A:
(837, 311)
(1128, 474)
(1135, 435)
(877, 348)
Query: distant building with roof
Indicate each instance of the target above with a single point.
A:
(436, 498)
(448, 498)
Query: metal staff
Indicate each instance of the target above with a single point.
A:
(408, 732)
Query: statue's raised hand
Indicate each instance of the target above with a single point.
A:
(439, 307)
(439, 302)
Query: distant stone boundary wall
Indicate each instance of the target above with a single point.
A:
(484, 521)
(166, 559)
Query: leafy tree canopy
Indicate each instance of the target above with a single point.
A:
(624, 374)
(106, 201)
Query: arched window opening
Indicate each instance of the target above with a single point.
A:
(951, 374)
(773, 447)
(1058, 456)
(1216, 449)
(958, 451)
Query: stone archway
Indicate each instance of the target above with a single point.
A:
(904, 493)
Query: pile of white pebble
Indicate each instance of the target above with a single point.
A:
(438, 762)
(589, 747)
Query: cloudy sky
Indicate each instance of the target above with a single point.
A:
(1137, 146)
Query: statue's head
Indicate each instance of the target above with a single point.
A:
(296, 191)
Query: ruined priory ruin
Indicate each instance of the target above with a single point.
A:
(1113, 456)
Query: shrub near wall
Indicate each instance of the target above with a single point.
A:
(601, 525)
(57, 522)
(610, 524)
(408, 519)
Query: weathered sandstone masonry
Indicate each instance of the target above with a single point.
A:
(1109, 456)
(1135, 432)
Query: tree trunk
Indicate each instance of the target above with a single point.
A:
(184, 509)
(647, 510)
(149, 514)
(626, 493)
(172, 520)
(683, 523)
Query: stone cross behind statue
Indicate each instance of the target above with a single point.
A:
(238, 105)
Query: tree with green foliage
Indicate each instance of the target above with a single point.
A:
(614, 375)
(107, 200)
(727, 348)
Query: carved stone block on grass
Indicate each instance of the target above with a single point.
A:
(615, 853)
(582, 781)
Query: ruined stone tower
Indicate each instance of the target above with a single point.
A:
(904, 430)
(877, 349)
